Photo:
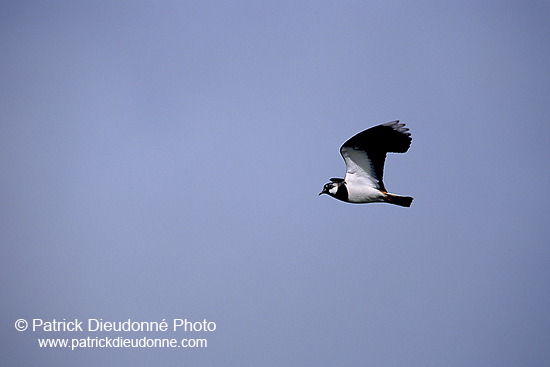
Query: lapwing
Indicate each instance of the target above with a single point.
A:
(364, 155)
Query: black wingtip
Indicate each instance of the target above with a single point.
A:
(389, 137)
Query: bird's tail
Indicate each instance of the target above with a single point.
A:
(399, 200)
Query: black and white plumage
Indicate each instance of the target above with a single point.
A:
(364, 155)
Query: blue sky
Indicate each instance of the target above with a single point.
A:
(162, 160)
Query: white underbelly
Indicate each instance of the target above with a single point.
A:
(364, 194)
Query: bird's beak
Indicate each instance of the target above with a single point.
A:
(321, 193)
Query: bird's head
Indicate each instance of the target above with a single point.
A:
(331, 188)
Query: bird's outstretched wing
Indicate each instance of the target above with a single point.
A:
(365, 153)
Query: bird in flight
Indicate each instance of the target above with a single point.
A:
(364, 155)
